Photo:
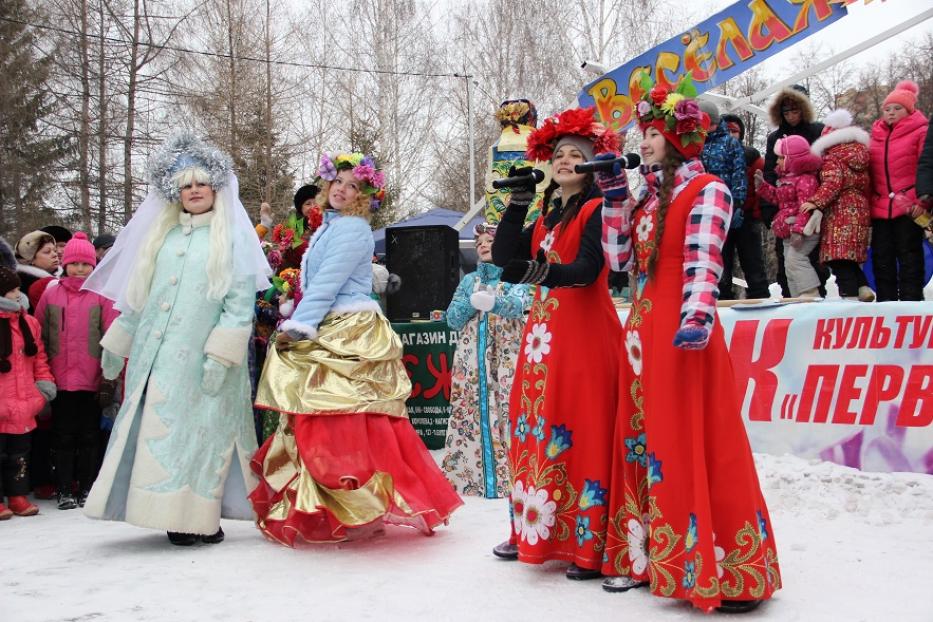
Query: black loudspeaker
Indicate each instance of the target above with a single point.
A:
(427, 259)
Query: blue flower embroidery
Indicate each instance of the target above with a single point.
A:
(538, 430)
(636, 449)
(593, 494)
(654, 471)
(583, 530)
(690, 540)
(521, 427)
(762, 526)
(560, 441)
(640, 282)
(690, 576)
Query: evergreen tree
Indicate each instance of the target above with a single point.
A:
(29, 151)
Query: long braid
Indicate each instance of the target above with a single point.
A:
(548, 192)
(6, 345)
(573, 207)
(669, 165)
(29, 343)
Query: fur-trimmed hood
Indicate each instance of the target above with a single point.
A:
(839, 130)
(802, 101)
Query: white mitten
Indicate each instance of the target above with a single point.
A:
(483, 300)
(286, 308)
(813, 225)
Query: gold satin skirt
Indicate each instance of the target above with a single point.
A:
(354, 366)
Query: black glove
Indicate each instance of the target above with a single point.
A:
(523, 195)
(525, 271)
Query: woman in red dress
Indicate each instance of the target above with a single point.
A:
(563, 400)
(687, 516)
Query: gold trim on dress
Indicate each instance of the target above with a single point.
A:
(353, 366)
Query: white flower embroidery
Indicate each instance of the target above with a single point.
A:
(637, 546)
(720, 555)
(518, 506)
(633, 349)
(537, 343)
(644, 227)
(539, 516)
(548, 242)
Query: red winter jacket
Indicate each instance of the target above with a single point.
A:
(73, 321)
(895, 152)
(791, 192)
(752, 207)
(21, 401)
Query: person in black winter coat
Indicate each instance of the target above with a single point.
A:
(744, 237)
(792, 113)
(925, 174)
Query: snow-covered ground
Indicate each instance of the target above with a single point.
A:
(853, 546)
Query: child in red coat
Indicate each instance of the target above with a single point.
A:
(840, 205)
(797, 169)
(26, 384)
(73, 322)
(896, 241)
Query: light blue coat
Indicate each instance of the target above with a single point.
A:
(511, 300)
(178, 459)
(336, 274)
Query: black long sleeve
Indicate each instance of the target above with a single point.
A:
(585, 268)
(513, 240)
(925, 167)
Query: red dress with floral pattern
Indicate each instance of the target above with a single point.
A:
(686, 509)
(562, 411)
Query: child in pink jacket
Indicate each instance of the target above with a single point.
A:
(797, 170)
(896, 241)
(73, 322)
(26, 384)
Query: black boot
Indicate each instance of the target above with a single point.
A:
(66, 501)
(506, 551)
(217, 538)
(182, 539)
(622, 584)
(82, 497)
(738, 606)
(575, 573)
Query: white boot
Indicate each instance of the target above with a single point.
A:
(865, 294)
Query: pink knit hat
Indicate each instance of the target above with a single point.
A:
(79, 249)
(797, 156)
(905, 94)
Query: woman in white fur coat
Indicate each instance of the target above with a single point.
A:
(184, 273)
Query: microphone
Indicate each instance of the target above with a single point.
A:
(532, 178)
(629, 160)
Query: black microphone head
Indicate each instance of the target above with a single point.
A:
(632, 160)
(538, 175)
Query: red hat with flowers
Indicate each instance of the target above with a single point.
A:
(577, 122)
(675, 114)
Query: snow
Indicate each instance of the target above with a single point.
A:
(853, 546)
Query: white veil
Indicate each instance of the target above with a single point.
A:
(112, 275)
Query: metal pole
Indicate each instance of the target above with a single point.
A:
(472, 154)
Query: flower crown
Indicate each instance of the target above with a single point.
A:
(677, 109)
(576, 122)
(364, 169)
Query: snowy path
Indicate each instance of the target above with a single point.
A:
(853, 546)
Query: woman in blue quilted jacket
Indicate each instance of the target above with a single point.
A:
(344, 459)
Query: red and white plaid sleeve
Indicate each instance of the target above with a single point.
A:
(617, 233)
(707, 226)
